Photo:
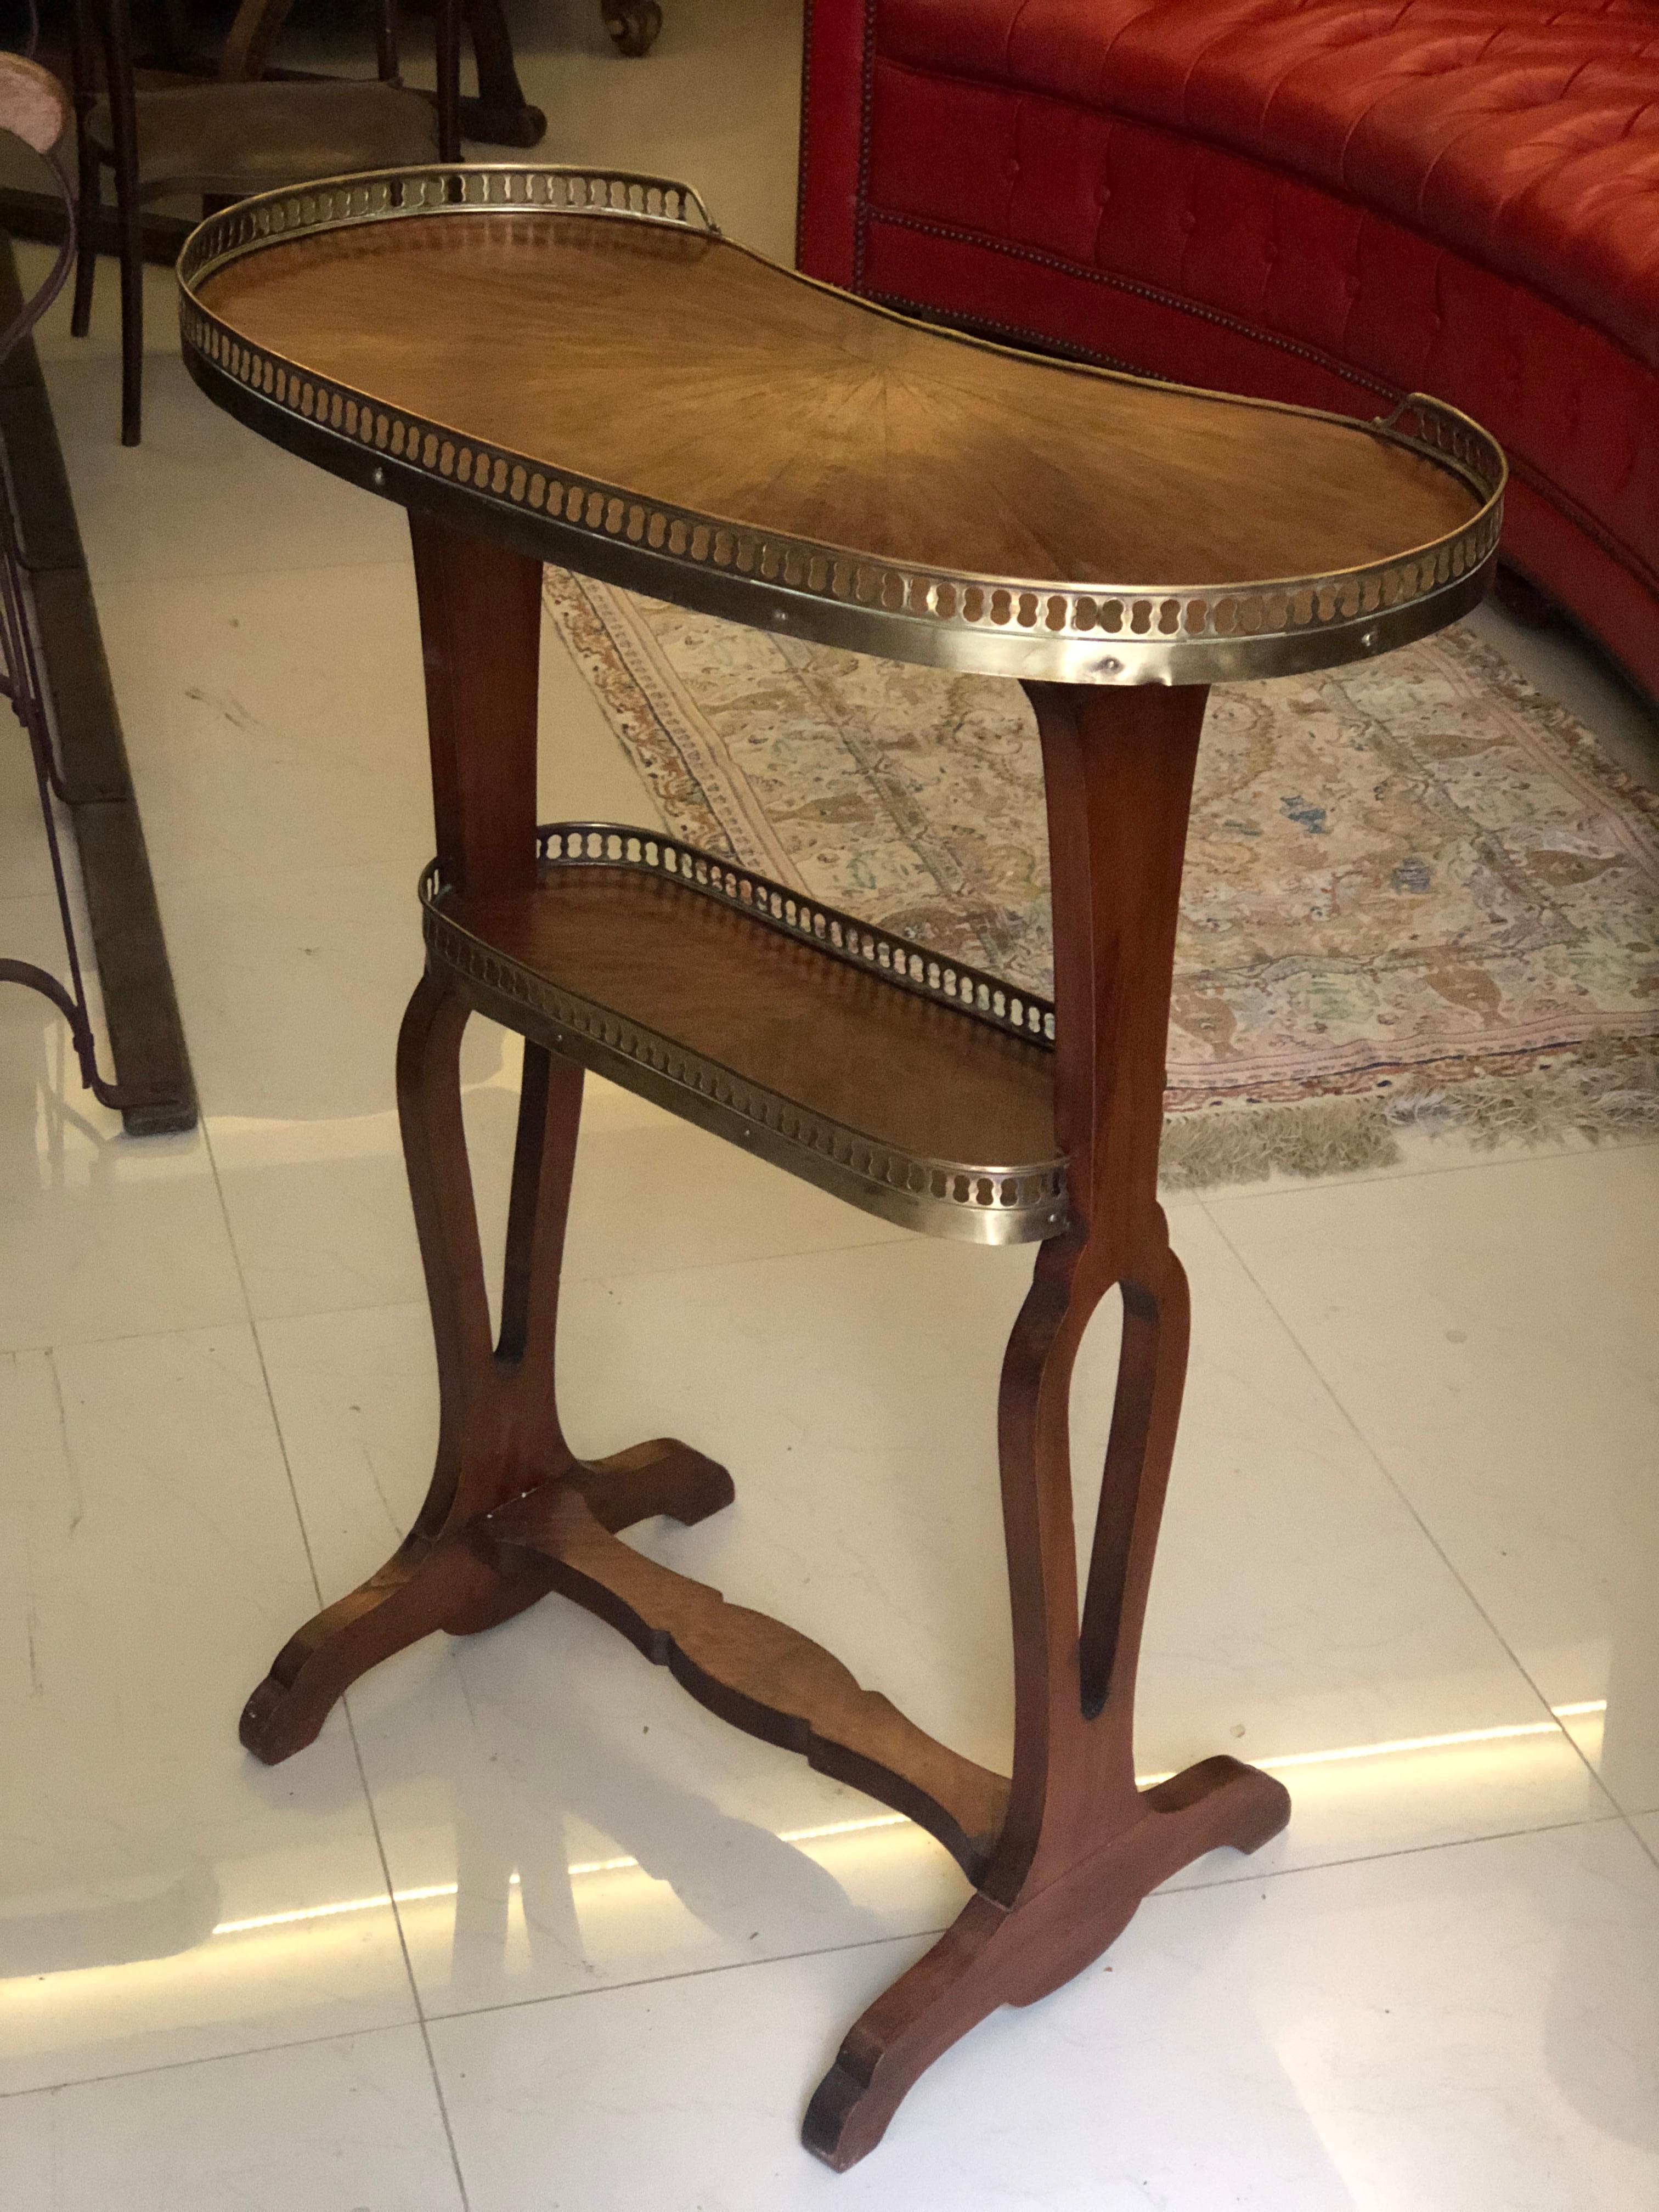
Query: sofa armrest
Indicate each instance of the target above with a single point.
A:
(839, 43)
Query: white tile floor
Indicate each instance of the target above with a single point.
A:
(579, 1951)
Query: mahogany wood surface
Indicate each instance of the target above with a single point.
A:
(779, 405)
(481, 629)
(834, 1039)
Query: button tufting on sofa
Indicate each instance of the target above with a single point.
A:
(1445, 188)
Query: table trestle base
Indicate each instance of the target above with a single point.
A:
(994, 1955)
(1063, 1851)
(1063, 1857)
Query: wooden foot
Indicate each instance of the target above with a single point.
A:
(496, 123)
(449, 1585)
(663, 1476)
(424, 1586)
(995, 1955)
(1521, 598)
(501, 115)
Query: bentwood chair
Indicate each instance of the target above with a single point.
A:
(225, 140)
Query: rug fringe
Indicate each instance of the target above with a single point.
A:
(1223, 1144)
(1611, 1097)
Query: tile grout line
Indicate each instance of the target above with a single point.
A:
(697, 1974)
(1534, 1155)
(204, 2059)
(421, 2020)
(1377, 1461)
(265, 1371)
(1610, 1818)
(351, 1730)
(786, 1958)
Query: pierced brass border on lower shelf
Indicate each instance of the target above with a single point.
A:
(953, 983)
(977, 1202)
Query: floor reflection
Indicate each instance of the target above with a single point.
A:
(741, 1882)
(71, 1920)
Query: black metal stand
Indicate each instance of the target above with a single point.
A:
(152, 1088)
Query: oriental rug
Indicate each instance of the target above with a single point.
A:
(1418, 895)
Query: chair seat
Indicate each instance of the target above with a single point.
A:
(33, 106)
(232, 139)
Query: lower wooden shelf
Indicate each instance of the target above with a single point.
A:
(913, 1086)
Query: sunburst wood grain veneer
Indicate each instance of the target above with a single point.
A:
(556, 364)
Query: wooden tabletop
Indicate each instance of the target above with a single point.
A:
(661, 361)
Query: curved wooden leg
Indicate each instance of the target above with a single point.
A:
(501, 115)
(499, 1432)
(422, 1587)
(427, 1581)
(1081, 1845)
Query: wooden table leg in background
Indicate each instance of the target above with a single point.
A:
(499, 1427)
(1080, 1845)
(499, 115)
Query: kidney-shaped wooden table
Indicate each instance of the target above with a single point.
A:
(552, 364)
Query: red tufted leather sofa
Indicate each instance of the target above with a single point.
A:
(1325, 201)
